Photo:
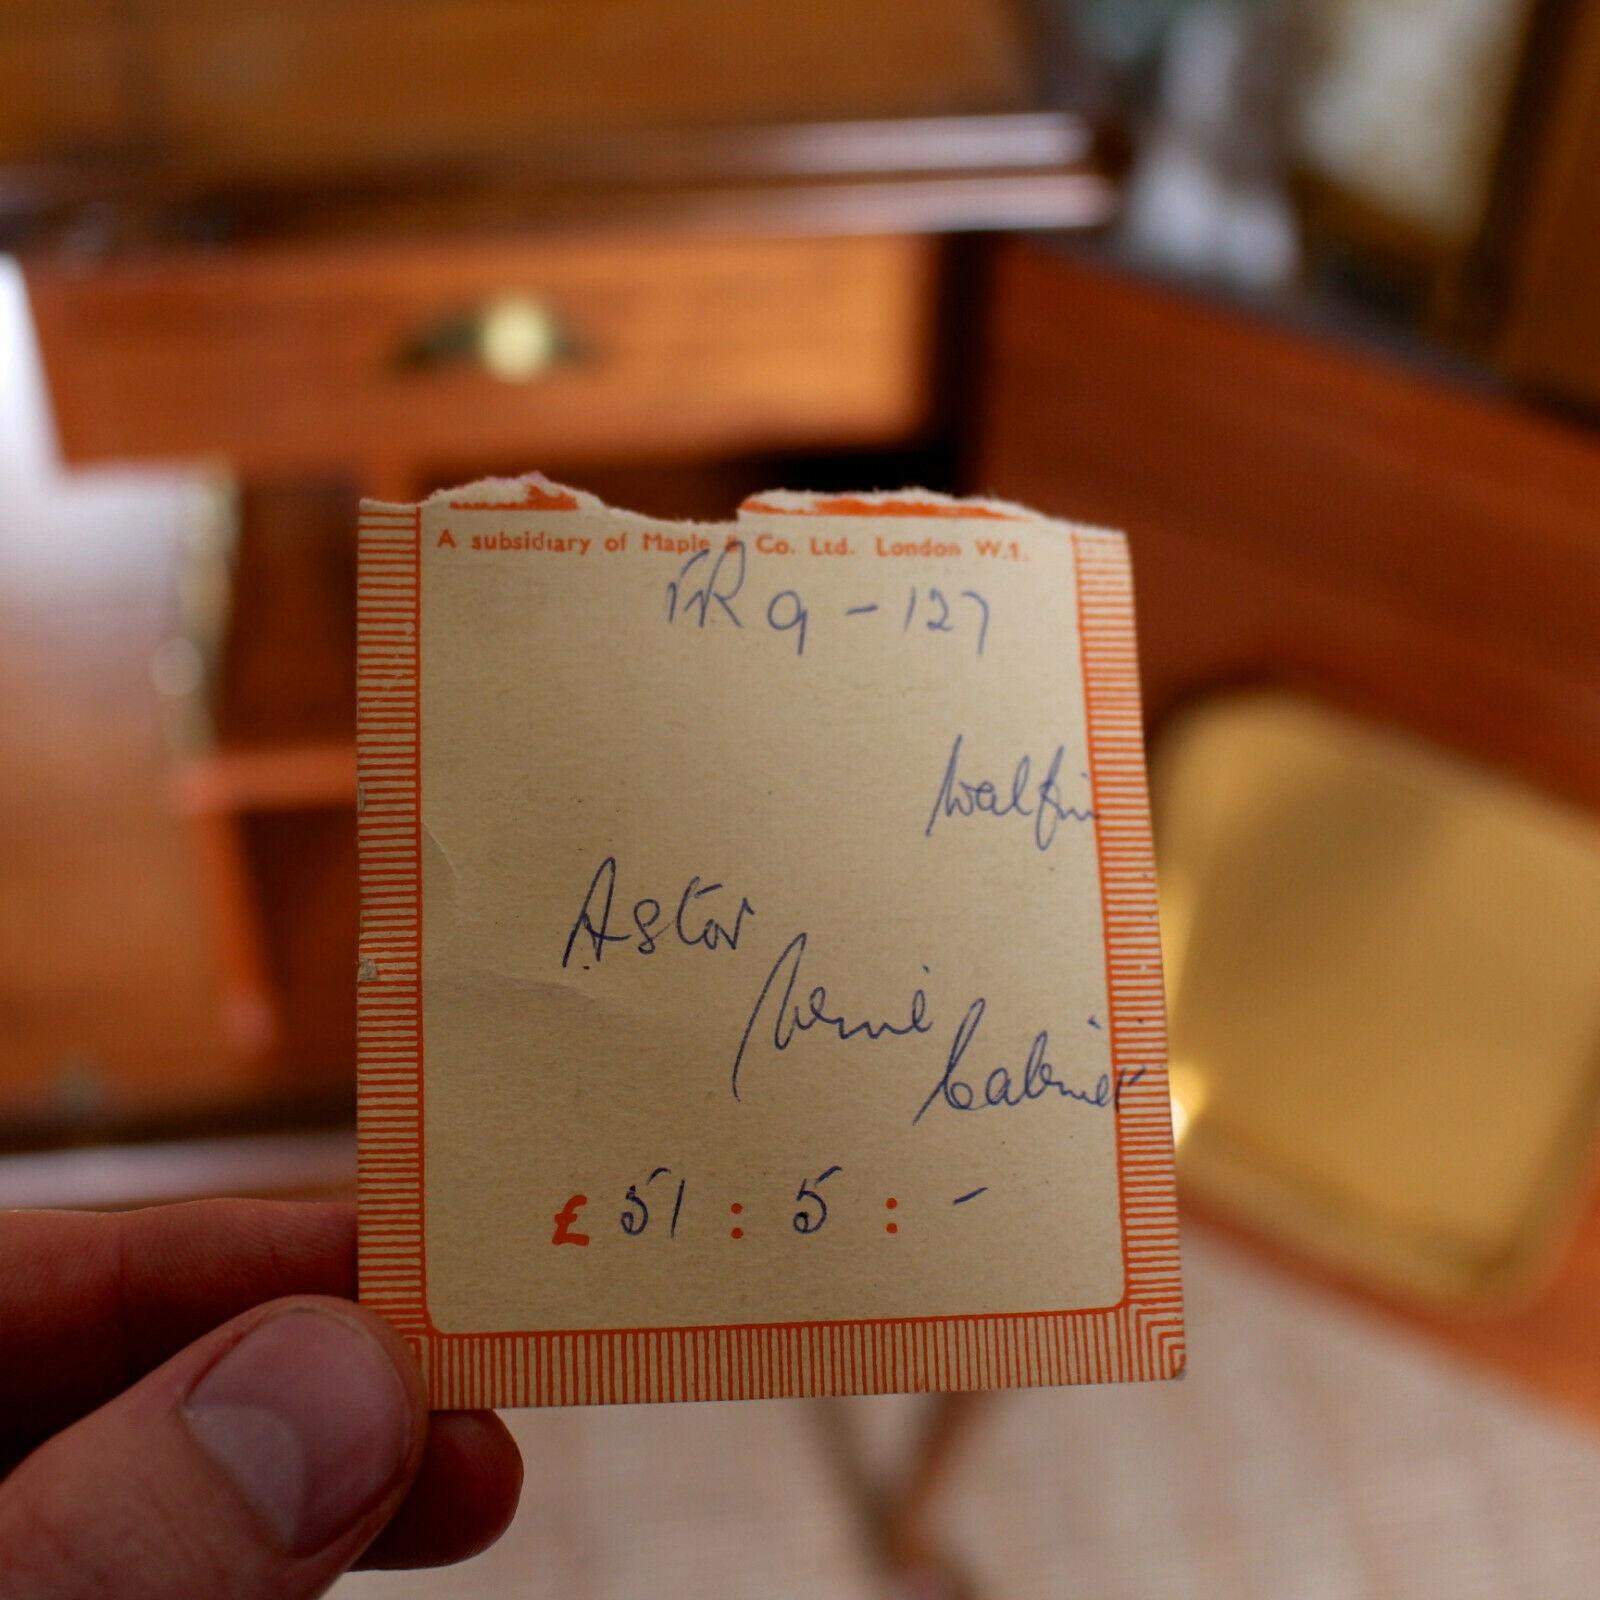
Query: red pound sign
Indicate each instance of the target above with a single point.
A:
(565, 1217)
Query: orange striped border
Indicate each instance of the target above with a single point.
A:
(1141, 1337)
(390, 1149)
(1149, 1321)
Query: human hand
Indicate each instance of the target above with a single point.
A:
(191, 1406)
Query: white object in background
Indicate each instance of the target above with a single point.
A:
(1204, 198)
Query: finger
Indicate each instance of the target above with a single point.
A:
(258, 1463)
(90, 1302)
(462, 1499)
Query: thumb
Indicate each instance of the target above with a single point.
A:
(259, 1462)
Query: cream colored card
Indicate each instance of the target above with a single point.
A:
(760, 986)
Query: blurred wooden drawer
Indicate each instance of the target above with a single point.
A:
(295, 360)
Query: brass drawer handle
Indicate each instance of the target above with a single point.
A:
(514, 338)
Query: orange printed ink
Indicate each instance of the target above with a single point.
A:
(565, 1218)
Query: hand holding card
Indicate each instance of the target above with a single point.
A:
(760, 984)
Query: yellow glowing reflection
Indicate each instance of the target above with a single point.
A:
(1188, 1092)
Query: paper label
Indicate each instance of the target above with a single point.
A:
(760, 984)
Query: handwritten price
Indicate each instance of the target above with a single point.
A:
(809, 1217)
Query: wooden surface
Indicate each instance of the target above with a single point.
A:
(284, 666)
(63, 82)
(292, 361)
(180, 123)
(112, 957)
(1550, 336)
(232, 85)
(1305, 516)
(106, 983)
(1377, 537)
(1014, 170)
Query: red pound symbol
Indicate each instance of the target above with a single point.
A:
(565, 1217)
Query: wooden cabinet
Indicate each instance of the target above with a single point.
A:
(301, 88)
(369, 367)
(1303, 516)
(670, 248)
(315, 360)
(347, 248)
